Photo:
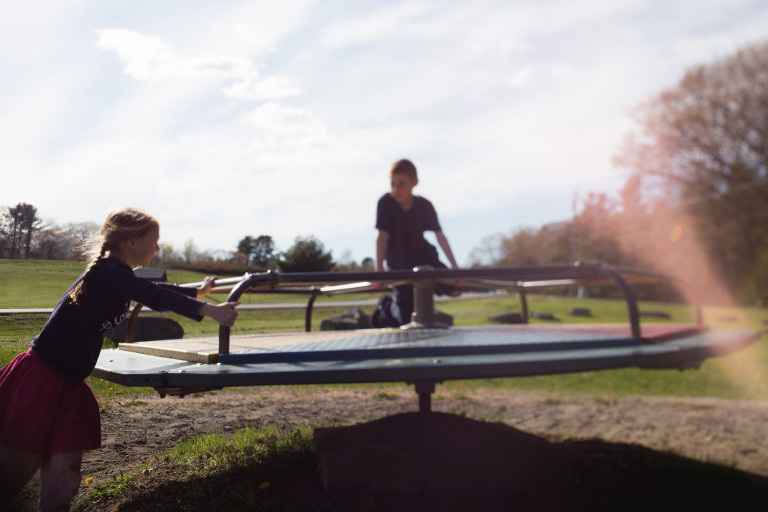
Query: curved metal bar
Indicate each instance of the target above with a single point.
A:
(695, 300)
(524, 305)
(130, 332)
(308, 312)
(518, 278)
(634, 315)
(248, 281)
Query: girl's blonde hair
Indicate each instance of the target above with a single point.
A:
(120, 225)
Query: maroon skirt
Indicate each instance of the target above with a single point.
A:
(42, 412)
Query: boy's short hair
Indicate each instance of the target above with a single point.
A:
(404, 166)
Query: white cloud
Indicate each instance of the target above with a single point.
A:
(522, 77)
(269, 88)
(511, 47)
(560, 70)
(393, 21)
(149, 58)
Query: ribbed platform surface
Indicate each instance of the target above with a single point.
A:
(378, 343)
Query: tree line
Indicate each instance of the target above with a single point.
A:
(24, 235)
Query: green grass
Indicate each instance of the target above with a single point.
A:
(40, 284)
(216, 472)
(740, 375)
(35, 284)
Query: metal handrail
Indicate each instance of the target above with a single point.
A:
(248, 281)
(518, 278)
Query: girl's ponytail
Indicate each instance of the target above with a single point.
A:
(78, 294)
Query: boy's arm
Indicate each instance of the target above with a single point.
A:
(381, 249)
(446, 247)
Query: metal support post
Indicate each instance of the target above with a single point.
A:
(425, 388)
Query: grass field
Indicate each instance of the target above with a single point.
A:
(30, 283)
(40, 284)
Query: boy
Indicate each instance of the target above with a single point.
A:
(401, 219)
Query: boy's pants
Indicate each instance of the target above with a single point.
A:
(402, 307)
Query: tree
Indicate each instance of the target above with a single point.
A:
(246, 245)
(167, 255)
(260, 250)
(489, 252)
(263, 253)
(190, 252)
(549, 245)
(306, 255)
(64, 242)
(705, 141)
(20, 222)
(595, 236)
(49, 244)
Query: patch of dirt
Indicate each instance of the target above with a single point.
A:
(729, 432)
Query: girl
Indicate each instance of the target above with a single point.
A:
(48, 414)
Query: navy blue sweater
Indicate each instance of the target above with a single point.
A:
(406, 245)
(72, 338)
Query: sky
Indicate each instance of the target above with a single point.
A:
(230, 118)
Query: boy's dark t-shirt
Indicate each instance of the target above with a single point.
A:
(71, 340)
(406, 246)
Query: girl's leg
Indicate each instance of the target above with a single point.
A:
(59, 481)
(16, 468)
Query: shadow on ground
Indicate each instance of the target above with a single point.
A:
(443, 462)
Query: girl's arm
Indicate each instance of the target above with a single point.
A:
(225, 314)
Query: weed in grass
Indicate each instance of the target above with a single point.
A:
(551, 400)
(105, 400)
(134, 403)
(460, 395)
(605, 401)
(111, 488)
(386, 395)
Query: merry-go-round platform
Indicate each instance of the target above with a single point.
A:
(423, 352)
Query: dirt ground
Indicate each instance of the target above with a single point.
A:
(730, 432)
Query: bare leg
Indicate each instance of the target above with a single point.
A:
(16, 468)
(59, 481)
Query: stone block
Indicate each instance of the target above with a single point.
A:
(508, 318)
(354, 318)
